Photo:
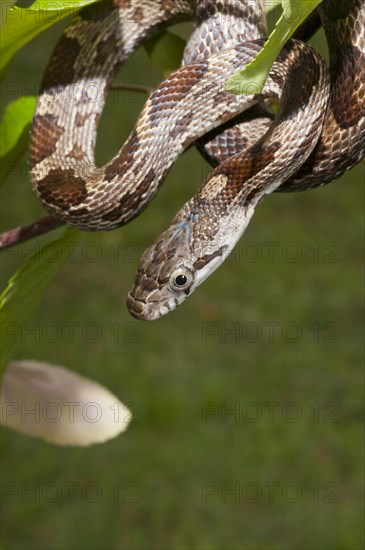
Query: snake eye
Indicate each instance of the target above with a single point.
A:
(181, 279)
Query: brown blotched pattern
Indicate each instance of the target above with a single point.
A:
(219, 26)
(342, 141)
(187, 105)
(46, 133)
(63, 187)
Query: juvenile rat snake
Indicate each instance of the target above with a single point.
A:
(187, 105)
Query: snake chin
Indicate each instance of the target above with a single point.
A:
(147, 311)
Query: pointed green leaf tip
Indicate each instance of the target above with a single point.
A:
(21, 25)
(252, 78)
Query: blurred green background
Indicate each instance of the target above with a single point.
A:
(292, 372)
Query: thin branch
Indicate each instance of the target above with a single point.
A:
(131, 88)
(26, 232)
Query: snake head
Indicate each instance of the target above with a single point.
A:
(165, 275)
(159, 288)
(184, 255)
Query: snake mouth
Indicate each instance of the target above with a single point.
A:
(139, 309)
(148, 310)
(143, 310)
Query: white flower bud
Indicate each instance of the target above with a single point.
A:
(59, 406)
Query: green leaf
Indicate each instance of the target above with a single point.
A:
(23, 24)
(165, 50)
(252, 79)
(14, 132)
(26, 288)
(270, 5)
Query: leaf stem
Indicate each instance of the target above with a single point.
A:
(26, 232)
(131, 88)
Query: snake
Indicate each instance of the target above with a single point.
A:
(183, 109)
(204, 232)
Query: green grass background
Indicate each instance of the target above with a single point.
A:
(168, 373)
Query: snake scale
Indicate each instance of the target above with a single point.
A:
(318, 133)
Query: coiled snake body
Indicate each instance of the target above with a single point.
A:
(307, 145)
